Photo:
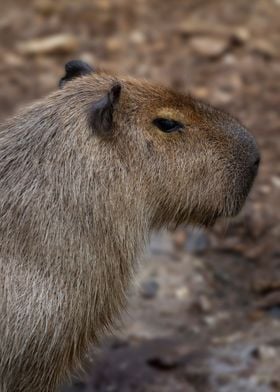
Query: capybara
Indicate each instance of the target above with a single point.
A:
(86, 174)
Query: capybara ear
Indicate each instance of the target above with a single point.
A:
(75, 69)
(101, 115)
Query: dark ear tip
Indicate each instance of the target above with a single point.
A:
(78, 66)
(115, 92)
(117, 88)
(74, 69)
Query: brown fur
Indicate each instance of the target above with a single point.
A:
(76, 211)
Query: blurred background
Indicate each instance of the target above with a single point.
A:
(205, 313)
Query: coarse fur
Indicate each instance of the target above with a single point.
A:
(77, 208)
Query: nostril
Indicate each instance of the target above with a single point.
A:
(256, 163)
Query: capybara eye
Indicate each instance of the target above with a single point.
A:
(166, 125)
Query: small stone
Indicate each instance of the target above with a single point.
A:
(270, 301)
(210, 47)
(241, 35)
(182, 293)
(265, 48)
(197, 241)
(179, 238)
(233, 83)
(275, 181)
(198, 279)
(198, 375)
(212, 321)
(137, 37)
(12, 59)
(230, 59)
(229, 339)
(104, 5)
(266, 282)
(88, 57)
(265, 189)
(114, 44)
(204, 303)
(264, 352)
(46, 7)
(226, 87)
(221, 97)
(161, 243)
(200, 92)
(196, 28)
(149, 289)
(62, 43)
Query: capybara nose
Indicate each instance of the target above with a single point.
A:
(249, 147)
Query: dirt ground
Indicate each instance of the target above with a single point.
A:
(204, 314)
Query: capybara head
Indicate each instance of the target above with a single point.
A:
(187, 161)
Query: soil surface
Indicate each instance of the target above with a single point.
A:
(204, 314)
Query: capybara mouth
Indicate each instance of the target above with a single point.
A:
(235, 203)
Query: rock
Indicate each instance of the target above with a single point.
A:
(12, 59)
(229, 339)
(179, 239)
(197, 241)
(204, 303)
(266, 281)
(269, 302)
(265, 189)
(264, 352)
(113, 44)
(230, 60)
(196, 28)
(62, 43)
(276, 181)
(240, 35)
(210, 47)
(226, 87)
(88, 58)
(221, 97)
(198, 375)
(137, 37)
(182, 293)
(214, 320)
(257, 251)
(265, 48)
(200, 92)
(149, 289)
(161, 243)
(46, 7)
